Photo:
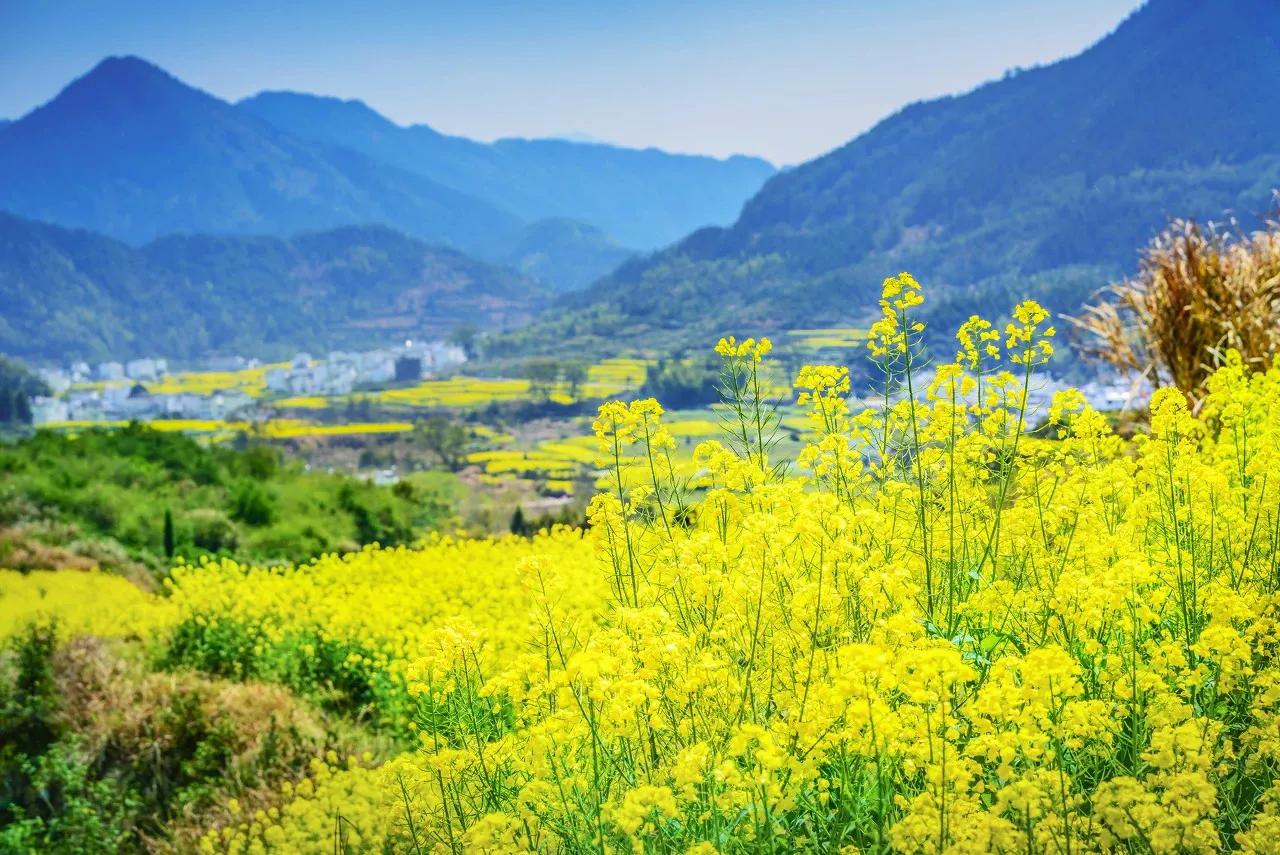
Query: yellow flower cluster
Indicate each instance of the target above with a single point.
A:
(251, 381)
(80, 603)
(339, 806)
(936, 632)
(748, 349)
(358, 622)
(891, 336)
(942, 634)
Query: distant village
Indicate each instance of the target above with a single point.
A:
(122, 391)
(134, 390)
(1107, 394)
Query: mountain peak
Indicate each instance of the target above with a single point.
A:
(126, 66)
(117, 75)
(119, 88)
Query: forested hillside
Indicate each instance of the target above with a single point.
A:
(1042, 183)
(75, 294)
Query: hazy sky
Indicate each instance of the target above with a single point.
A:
(786, 80)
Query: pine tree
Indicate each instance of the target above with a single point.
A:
(518, 525)
(168, 534)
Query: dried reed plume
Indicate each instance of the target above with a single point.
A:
(1199, 292)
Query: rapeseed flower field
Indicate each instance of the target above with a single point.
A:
(935, 630)
(827, 337)
(609, 377)
(280, 428)
(251, 381)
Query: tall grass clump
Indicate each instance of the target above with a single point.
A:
(1199, 293)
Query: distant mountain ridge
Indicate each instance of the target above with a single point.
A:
(1044, 183)
(132, 152)
(644, 198)
(70, 293)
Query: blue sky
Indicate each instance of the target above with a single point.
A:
(786, 80)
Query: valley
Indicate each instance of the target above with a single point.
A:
(371, 487)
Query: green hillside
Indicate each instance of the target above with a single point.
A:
(74, 294)
(1043, 184)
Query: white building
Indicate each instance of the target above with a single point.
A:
(226, 404)
(56, 380)
(379, 369)
(1118, 393)
(113, 397)
(84, 405)
(145, 369)
(277, 380)
(109, 371)
(140, 407)
(46, 410)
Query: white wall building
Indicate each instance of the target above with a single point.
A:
(145, 369)
(46, 410)
(109, 371)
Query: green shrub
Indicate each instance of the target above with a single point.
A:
(252, 504)
(211, 530)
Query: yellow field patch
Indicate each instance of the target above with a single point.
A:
(305, 402)
(251, 381)
(289, 428)
(828, 337)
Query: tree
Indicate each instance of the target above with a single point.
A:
(467, 337)
(168, 534)
(518, 524)
(444, 439)
(542, 374)
(260, 462)
(575, 374)
(18, 385)
(682, 383)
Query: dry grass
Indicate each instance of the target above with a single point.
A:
(184, 740)
(1199, 292)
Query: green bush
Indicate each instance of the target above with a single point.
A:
(211, 530)
(252, 504)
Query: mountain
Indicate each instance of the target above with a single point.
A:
(1044, 183)
(71, 294)
(567, 253)
(644, 198)
(132, 152)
